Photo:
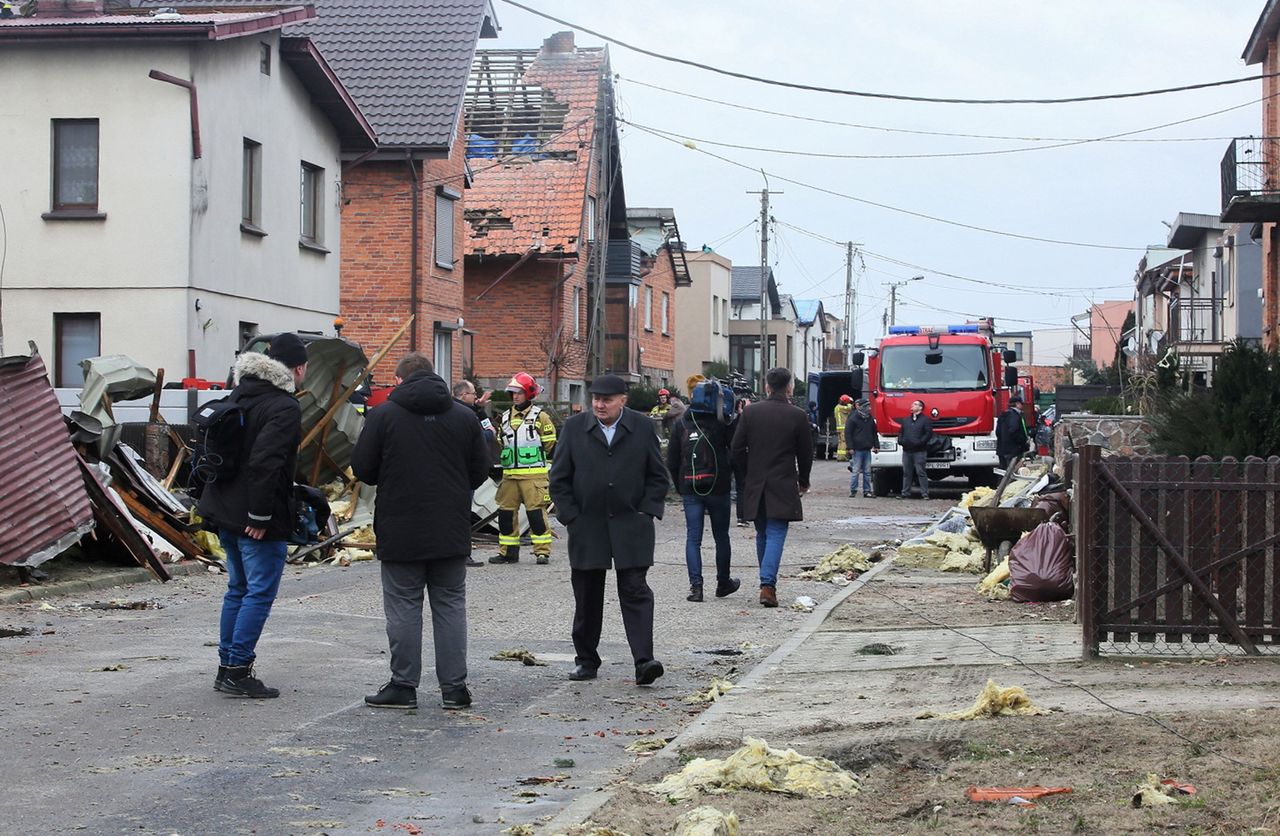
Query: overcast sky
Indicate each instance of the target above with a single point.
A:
(1100, 193)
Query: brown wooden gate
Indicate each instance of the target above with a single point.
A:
(1178, 556)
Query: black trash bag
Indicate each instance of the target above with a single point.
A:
(1042, 566)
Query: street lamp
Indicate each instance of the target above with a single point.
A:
(893, 296)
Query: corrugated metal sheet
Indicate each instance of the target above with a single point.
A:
(46, 508)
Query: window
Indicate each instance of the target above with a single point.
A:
(444, 354)
(75, 165)
(715, 314)
(264, 58)
(666, 307)
(724, 315)
(251, 187)
(446, 220)
(311, 226)
(248, 331)
(77, 336)
(648, 308)
(576, 313)
(591, 219)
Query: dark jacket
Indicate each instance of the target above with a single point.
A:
(260, 494)
(860, 432)
(426, 454)
(609, 496)
(774, 446)
(486, 425)
(915, 434)
(710, 469)
(1011, 434)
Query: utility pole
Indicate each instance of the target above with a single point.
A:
(893, 298)
(850, 303)
(764, 284)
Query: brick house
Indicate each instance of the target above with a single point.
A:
(641, 278)
(406, 64)
(542, 144)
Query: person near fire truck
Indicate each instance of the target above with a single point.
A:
(527, 437)
(1011, 433)
(913, 439)
(841, 414)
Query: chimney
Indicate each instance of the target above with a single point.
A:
(559, 43)
(69, 8)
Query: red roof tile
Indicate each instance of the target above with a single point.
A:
(520, 201)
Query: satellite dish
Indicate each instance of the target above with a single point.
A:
(1131, 346)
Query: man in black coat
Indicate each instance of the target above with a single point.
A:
(1011, 433)
(426, 453)
(773, 447)
(252, 510)
(608, 484)
(861, 438)
(913, 438)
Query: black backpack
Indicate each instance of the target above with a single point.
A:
(701, 453)
(219, 432)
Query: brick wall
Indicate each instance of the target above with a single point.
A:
(377, 233)
(659, 347)
(1047, 378)
(519, 320)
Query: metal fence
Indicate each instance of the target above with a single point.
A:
(1178, 557)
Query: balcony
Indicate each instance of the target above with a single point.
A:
(1250, 188)
(1082, 351)
(1195, 326)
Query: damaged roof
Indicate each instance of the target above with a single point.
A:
(41, 487)
(530, 124)
(405, 61)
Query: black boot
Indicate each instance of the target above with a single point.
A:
(241, 682)
(512, 555)
(221, 678)
(727, 588)
(392, 695)
(455, 698)
(695, 593)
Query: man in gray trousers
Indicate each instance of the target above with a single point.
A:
(426, 453)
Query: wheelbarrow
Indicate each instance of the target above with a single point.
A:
(1000, 528)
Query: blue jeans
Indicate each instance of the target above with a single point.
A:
(254, 568)
(861, 464)
(696, 508)
(771, 534)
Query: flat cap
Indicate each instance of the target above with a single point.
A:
(608, 384)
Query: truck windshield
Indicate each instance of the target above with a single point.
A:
(903, 368)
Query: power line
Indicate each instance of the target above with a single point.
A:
(886, 206)
(876, 95)
(942, 155)
(921, 132)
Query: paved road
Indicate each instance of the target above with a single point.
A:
(112, 725)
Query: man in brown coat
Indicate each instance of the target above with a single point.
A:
(773, 446)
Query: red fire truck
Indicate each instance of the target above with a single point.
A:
(964, 380)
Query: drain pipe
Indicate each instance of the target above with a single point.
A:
(195, 108)
(413, 248)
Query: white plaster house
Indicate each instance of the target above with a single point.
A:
(176, 187)
(702, 314)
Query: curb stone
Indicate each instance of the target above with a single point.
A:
(106, 580)
(582, 808)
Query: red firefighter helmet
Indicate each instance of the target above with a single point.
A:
(522, 382)
(846, 399)
(664, 392)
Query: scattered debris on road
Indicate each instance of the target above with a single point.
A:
(719, 687)
(649, 744)
(1008, 794)
(757, 766)
(1153, 791)
(535, 780)
(518, 654)
(841, 562)
(803, 603)
(994, 701)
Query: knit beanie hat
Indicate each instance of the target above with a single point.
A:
(289, 349)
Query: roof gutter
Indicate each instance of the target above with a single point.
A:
(195, 107)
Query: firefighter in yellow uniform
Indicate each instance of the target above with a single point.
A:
(841, 413)
(527, 436)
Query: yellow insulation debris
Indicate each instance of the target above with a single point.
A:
(993, 586)
(719, 687)
(362, 537)
(707, 821)
(841, 561)
(944, 550)
(757, 766)
(980, 496)
(994, 701)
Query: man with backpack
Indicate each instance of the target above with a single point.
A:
(247, 497)
(699, 462)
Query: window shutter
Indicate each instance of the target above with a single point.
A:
(444, 230)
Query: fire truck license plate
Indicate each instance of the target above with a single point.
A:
(937, 465)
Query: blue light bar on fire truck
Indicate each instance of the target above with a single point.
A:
(913, 330)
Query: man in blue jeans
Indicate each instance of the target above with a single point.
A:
(699, 463)
(862, 439)
(252, 507)
(774, 445)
